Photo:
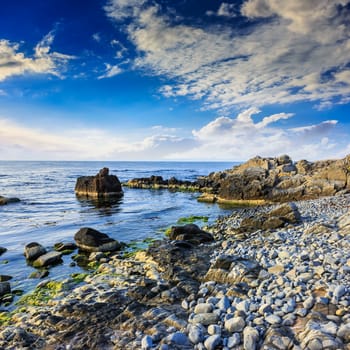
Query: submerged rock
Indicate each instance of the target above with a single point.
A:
(5, 288)
(90, 240)
(3, 250)
(101, 185)
(50, 258)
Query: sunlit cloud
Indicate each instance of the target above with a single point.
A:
(13, 62)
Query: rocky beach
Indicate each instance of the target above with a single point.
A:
(275, 276)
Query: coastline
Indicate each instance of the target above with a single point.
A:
(287, 287)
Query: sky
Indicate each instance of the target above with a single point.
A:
(181, 80)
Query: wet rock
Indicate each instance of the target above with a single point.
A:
(190, 233)
(33, 250)
(101, 185)
(5, 278)
(2, 250)
(5, 200)
(50, 258)
(62, 246)
(5, 288)
(90, 240)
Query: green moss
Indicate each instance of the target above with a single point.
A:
(79, 277)
(167, 231)
(67, 251)
(5, 318)
(192, 219)
(41, 295)
(93, 265)
(4, 262)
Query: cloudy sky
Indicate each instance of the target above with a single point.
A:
(174, 79)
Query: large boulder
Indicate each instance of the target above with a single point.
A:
(5, 200)
(90, 240)
(101, 185)
(190, 233)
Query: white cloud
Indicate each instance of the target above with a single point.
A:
(227, 10)
(233, 139)
(298, 53)
(111, 71)
(96, 37)
(13, 62)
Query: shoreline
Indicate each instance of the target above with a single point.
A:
(227, 293)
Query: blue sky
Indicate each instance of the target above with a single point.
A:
(174, 80)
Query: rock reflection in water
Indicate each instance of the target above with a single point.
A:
(106, 206)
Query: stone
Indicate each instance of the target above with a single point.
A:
(224, 303)
(276, 269)
(234, 340)
(235, 324)
(212, 342)
(309, 302)
(205, 319)
(273, 319)
(101, 185)
(50, 258)
(5, 278)
(5, 288)
(146, 342)
(90, 240)
(5, 200)
(178, 338)
(190, 233)
(203, 308)
(196, 334)
(214, 329)
(33, 250)
(250, 338)
(2, 250)
(62, 246)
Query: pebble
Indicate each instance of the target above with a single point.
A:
(212, 342)
(273, 319)
(178, 338)
(147, 342)
(234, 340)
(235, 324)
(250, 338)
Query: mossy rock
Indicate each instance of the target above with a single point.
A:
(191, 219)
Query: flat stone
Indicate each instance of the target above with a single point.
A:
(178, 338)
(47, 259)
(205, 319)
(273, 319)
(276, 269)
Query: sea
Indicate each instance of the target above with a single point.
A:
(49, 211)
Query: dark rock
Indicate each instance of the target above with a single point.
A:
(61, 246)
(287, 212)
(190, 233)
(33, 250)
(5, 288)
(100, 185)
(39, 274)
(5, 200)
(50, 258)
(5, 278)
(91, 240)
(2, 250)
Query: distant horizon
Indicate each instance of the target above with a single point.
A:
(174, 80)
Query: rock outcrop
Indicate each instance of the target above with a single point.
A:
(90, 240)
(101, 185)
(280, 180)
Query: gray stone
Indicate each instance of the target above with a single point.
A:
(50, 258)
(224, 303)
(212, 342)
(273, 319)
(203, 308)
(195, 334)
(214, 329)
(250, 338)
(234, 340)
(178, 338)
(205, 319)
(235, 324)
(309, 302)
(33, 250)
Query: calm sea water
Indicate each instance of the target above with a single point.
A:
(49, 211)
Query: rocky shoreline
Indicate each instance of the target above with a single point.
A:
(285, 285)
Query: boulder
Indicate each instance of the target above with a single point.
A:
(5, 288)
(33, 250)
(50, 258)
(101, 185)
(90, 240)
(5, 200)
(190, 233)
(288, 212)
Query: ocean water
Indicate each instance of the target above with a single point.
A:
(49, 211)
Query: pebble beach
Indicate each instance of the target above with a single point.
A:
(285, 288)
